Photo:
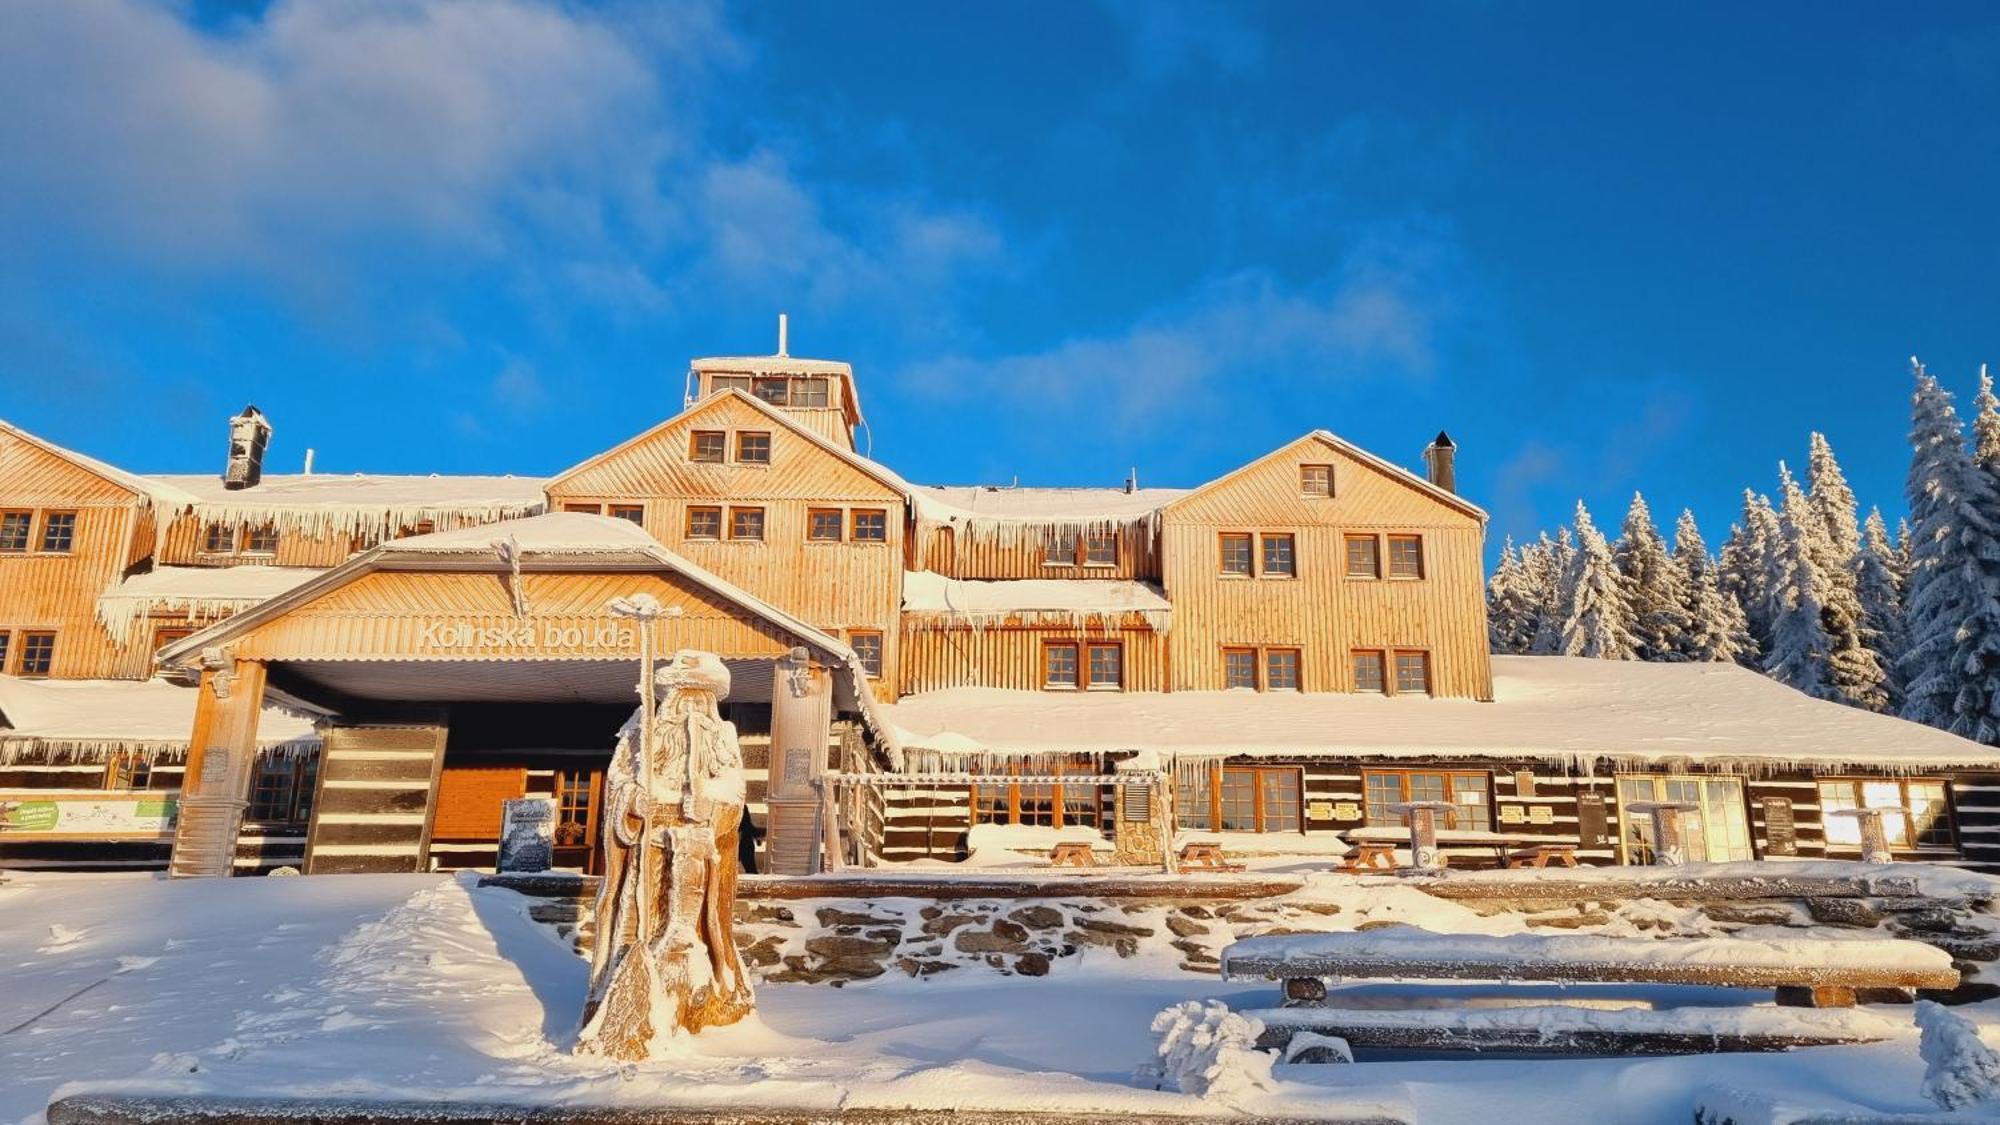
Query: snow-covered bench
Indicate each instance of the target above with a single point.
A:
(1562, 1028)
(1814, 972)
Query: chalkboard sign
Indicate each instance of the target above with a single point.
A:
(527, 834)
(1590, 820)
(1780, 833)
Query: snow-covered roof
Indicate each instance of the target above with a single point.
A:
(551, 533)
(195, 591)
(772, 365)
(1069, 600)
(942, 503)
(152, 489)
(372, 490)
(83, 719)
(1564, 709)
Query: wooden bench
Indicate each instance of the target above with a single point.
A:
(1205, 857)
(1369, 857)
(1806, 972)
(1547, 1028)
(1541, 854)
(1072, 854)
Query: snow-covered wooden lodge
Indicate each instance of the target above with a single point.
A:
(353, 672)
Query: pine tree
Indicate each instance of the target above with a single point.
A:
(1853, 668)
(1747, 563)
(1986, 425)
(1511, 612)
(1952, 668)
(1880, 589)
(1552, 564)
(1716, 629)
(1656, 586)
(1800, 648)
(1597, 609)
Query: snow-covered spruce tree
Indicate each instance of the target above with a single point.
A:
(1800, 648)
(1745, 572)
(1656, 586)
(1880, 589)
(1852, 665)
(1597, 608)
(1550, 568)
(1959, 1068)
(1986, 425)
(1952, 600)
(1716, 629)
(1511, 613)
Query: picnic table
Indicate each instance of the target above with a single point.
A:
(1072, 854)
(1540, 855)
(1369, 857)
(1201, 856)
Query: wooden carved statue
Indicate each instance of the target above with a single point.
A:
(665, 954)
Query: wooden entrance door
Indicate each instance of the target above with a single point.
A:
(579, 793)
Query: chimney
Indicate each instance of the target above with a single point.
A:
(1440, 458)
(1132, 481)
(249, 433)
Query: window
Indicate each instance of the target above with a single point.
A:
(753, 447)
(746, 523)
(1280, 560)
(636, 513)
(1059, 668)
(218, 538)
(1059, 549)
(585, 509)
(128, 771)
(262, 540)
(4, 638)
(1929, 813)
(163, 636)
(38, 653)
(58, 532)
(1239, 669)
(284, 789)
(1464, 789)
(871, 525)
(14, 527)
(576, 793)
(1413, 673)
(809, 391)
(1368, 671)
(1100, 547)
(1363, 561)
(1107, 667)
(1716, 830)
(867, 646)
(1239, 799)
(707, 445)
(1236, 553)
(1316, 480)
(775, 390)
(719, 383)
(823, 525)
(1001, 801)
(704, 523)
(1406, 556)
(1281, 669)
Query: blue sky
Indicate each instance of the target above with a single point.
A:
(1607, 247)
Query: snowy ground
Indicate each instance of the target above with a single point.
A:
(421, 986)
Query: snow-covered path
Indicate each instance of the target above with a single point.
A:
(424, 987)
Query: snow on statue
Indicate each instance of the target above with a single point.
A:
(665, 956)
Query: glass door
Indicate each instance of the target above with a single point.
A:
(1716, 830)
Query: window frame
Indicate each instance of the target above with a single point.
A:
(6, 650)
(1087, 667)
(854, 518)
(133, 769)
(695, 442)
(1391, 572)
(29, 639)
(1298, 667)
(68, 546)
(857, 635)
(1265, 540)
(296, 805)
(1383, 684)
(1450, 776)
(1061, 546)
(634, 513)
(247, 539)
(758, 384)
(27, 525)
(802, 400)
(1223, 542)
(1947, 805)
(813, 518)
(1211, 791)
(1087, 548)
(1424, 655)
(1075, 682)
(984, 809)
(743, 440)
(1256, 674)
(1348, 540)
(231, 532)
(736, 511)
(687, 522)
(1306, 472)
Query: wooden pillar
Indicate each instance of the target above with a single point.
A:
(801, 724)
(222, 757)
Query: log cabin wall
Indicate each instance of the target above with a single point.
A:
(1976, 810)
(1321, 611)
(841, 586)
(186, 545)
(56, 592)
(992, 550)
(1010, 656)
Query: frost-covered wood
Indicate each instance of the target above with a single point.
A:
(1566, 1028)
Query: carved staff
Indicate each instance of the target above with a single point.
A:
(630, 987)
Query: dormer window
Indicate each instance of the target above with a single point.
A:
(262, 540)
(809, 391)
(708, 446)
(720, 383)
(1060, 548)
(218, 538)
(775, 391)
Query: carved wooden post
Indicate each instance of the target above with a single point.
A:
(1874, 835)
(1669, 850)
(801, 721)
(1424, 852)
(222, 753)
